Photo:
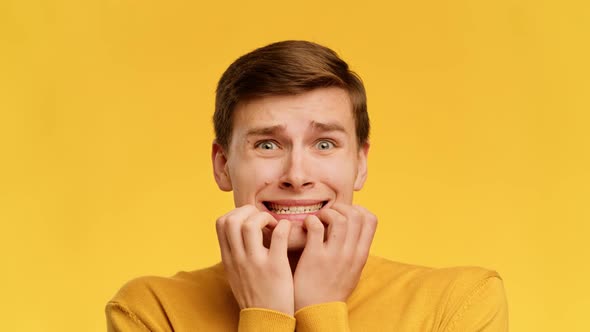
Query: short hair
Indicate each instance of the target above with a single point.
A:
(286, 68)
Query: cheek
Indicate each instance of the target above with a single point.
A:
(340, 175)
(249, 177)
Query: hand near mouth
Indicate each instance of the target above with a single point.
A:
(259, 277)
(329, 270)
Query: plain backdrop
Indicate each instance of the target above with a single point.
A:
(479, 156)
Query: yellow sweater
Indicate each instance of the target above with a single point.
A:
(390, 296)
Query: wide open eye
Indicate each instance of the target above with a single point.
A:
(324, 145)
(267, 145)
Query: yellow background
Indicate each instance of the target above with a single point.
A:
(480, 143)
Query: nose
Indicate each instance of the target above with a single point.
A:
(295, 175)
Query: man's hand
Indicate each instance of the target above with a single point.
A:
(329, 271)
(259, 277)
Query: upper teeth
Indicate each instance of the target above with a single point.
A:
(283, 209)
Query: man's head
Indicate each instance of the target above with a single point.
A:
(286, 68)
(292, 131)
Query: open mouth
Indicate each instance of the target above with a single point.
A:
(296, 208)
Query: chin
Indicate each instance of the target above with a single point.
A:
(297, 238)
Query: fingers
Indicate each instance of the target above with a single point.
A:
(229, 231)
(315, 232)
(367, 233)
(354, 218)
(337, 227)
(233, 229)
(223, 242)
(256, 279)
(280, 239)
(350, 228)
(252, 234)
(339, 261)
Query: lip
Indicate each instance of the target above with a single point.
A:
(297, 217)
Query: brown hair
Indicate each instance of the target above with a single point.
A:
(286, 68)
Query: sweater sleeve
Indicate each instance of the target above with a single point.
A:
(119, 318)
(484, 309)
(260, 320)
(324, 317)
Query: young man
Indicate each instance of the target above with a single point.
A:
(291, 143)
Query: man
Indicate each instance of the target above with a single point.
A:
(292, 131)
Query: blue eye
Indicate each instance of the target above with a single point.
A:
(324, 145)
(266, 145)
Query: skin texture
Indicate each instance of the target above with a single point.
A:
(293, 150)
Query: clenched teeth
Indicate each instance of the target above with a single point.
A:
(283, 209)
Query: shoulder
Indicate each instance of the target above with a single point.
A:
(476, 300)
(462, 297)
(148, 288)
(456, 279)
(158, 302)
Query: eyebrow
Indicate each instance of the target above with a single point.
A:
(319, 126)
(273, 130)
(262, 131)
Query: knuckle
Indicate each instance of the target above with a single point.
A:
(249, 208)
(279, 233)
(341, 220)
(233, 220)
(360, 208)
(372, 221)
(355, 214)
(249, 225)
(257, 262)
(357, 222)
(315, 226)
(220, 223)
(371, 215)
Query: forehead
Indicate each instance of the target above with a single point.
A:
(325, 105)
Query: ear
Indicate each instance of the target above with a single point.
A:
(361, 174)
(220, 171)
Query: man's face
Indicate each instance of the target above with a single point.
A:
(293, 155)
